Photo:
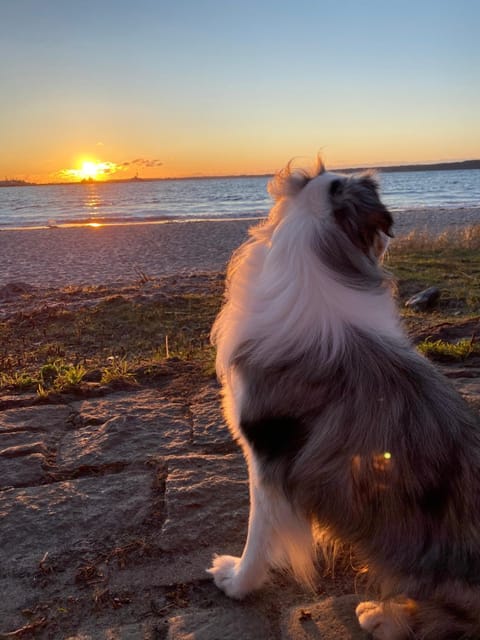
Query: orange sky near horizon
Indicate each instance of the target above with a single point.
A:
(219, 88)
(233, 160)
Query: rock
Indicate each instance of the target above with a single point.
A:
(148, 427)
(145, 631)
(38, 418)
(218, 624)
(145, 402)
(424, 300)
(23, 471)
(210, 432)
(70, 516)
(470, 390)
(206, 501)
(25, 437)
(330, 619)
(14, 401)
(179, 568)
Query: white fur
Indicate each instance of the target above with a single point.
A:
(277, 537)
(279, 293)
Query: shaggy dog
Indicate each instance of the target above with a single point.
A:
(346, 430)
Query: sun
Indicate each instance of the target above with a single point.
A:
(90, 170)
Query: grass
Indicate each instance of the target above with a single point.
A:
(117, 371)
(453, 351)
(55, 349)
(450, 261)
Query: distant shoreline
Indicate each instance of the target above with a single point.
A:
(465, 165)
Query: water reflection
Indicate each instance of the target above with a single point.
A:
(92, 199)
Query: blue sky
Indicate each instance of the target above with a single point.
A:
(235, 87)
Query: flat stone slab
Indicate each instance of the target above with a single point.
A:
(37, 418)
(238, 623)
(198, 624)
(145, 631)
(70, 516)
(329, 619)
(144, 402)
(132, 433)
(26, 434)
(22, 471)
(210, 432)
(186, 567)
(206, 500)
(470, 389)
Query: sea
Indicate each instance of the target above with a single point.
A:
(140, 201)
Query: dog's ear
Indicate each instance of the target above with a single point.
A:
(358, 211)
(289, 181)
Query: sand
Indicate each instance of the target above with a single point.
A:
(118, 255)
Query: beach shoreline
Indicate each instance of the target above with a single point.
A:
(117, 255)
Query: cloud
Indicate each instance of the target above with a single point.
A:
(142, 162)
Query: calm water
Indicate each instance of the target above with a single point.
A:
(210, 198)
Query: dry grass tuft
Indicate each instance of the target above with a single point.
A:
(451, 239)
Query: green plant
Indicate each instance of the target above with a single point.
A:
(70, 375)
(440, 349)
(117, 371)
(59, 376)
(49, 373)
(19, 381)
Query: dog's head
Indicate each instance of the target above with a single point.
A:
(351, 204)
(359, 212)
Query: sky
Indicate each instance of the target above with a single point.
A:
(169, 88)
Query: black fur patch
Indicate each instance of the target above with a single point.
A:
(436, 499)
(275, 437)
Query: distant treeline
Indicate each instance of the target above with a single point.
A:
(16, 183)
(439, 166)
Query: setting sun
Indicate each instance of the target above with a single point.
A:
(91, 170)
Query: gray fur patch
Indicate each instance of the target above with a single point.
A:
(358, 210)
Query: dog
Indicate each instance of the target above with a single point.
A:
(349, 434)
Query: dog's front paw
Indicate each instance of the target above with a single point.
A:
(373, 619)
(226, 575)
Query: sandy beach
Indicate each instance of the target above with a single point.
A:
(118, 255)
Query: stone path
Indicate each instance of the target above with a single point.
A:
(110, 510)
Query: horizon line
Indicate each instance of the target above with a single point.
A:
(442, 165)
